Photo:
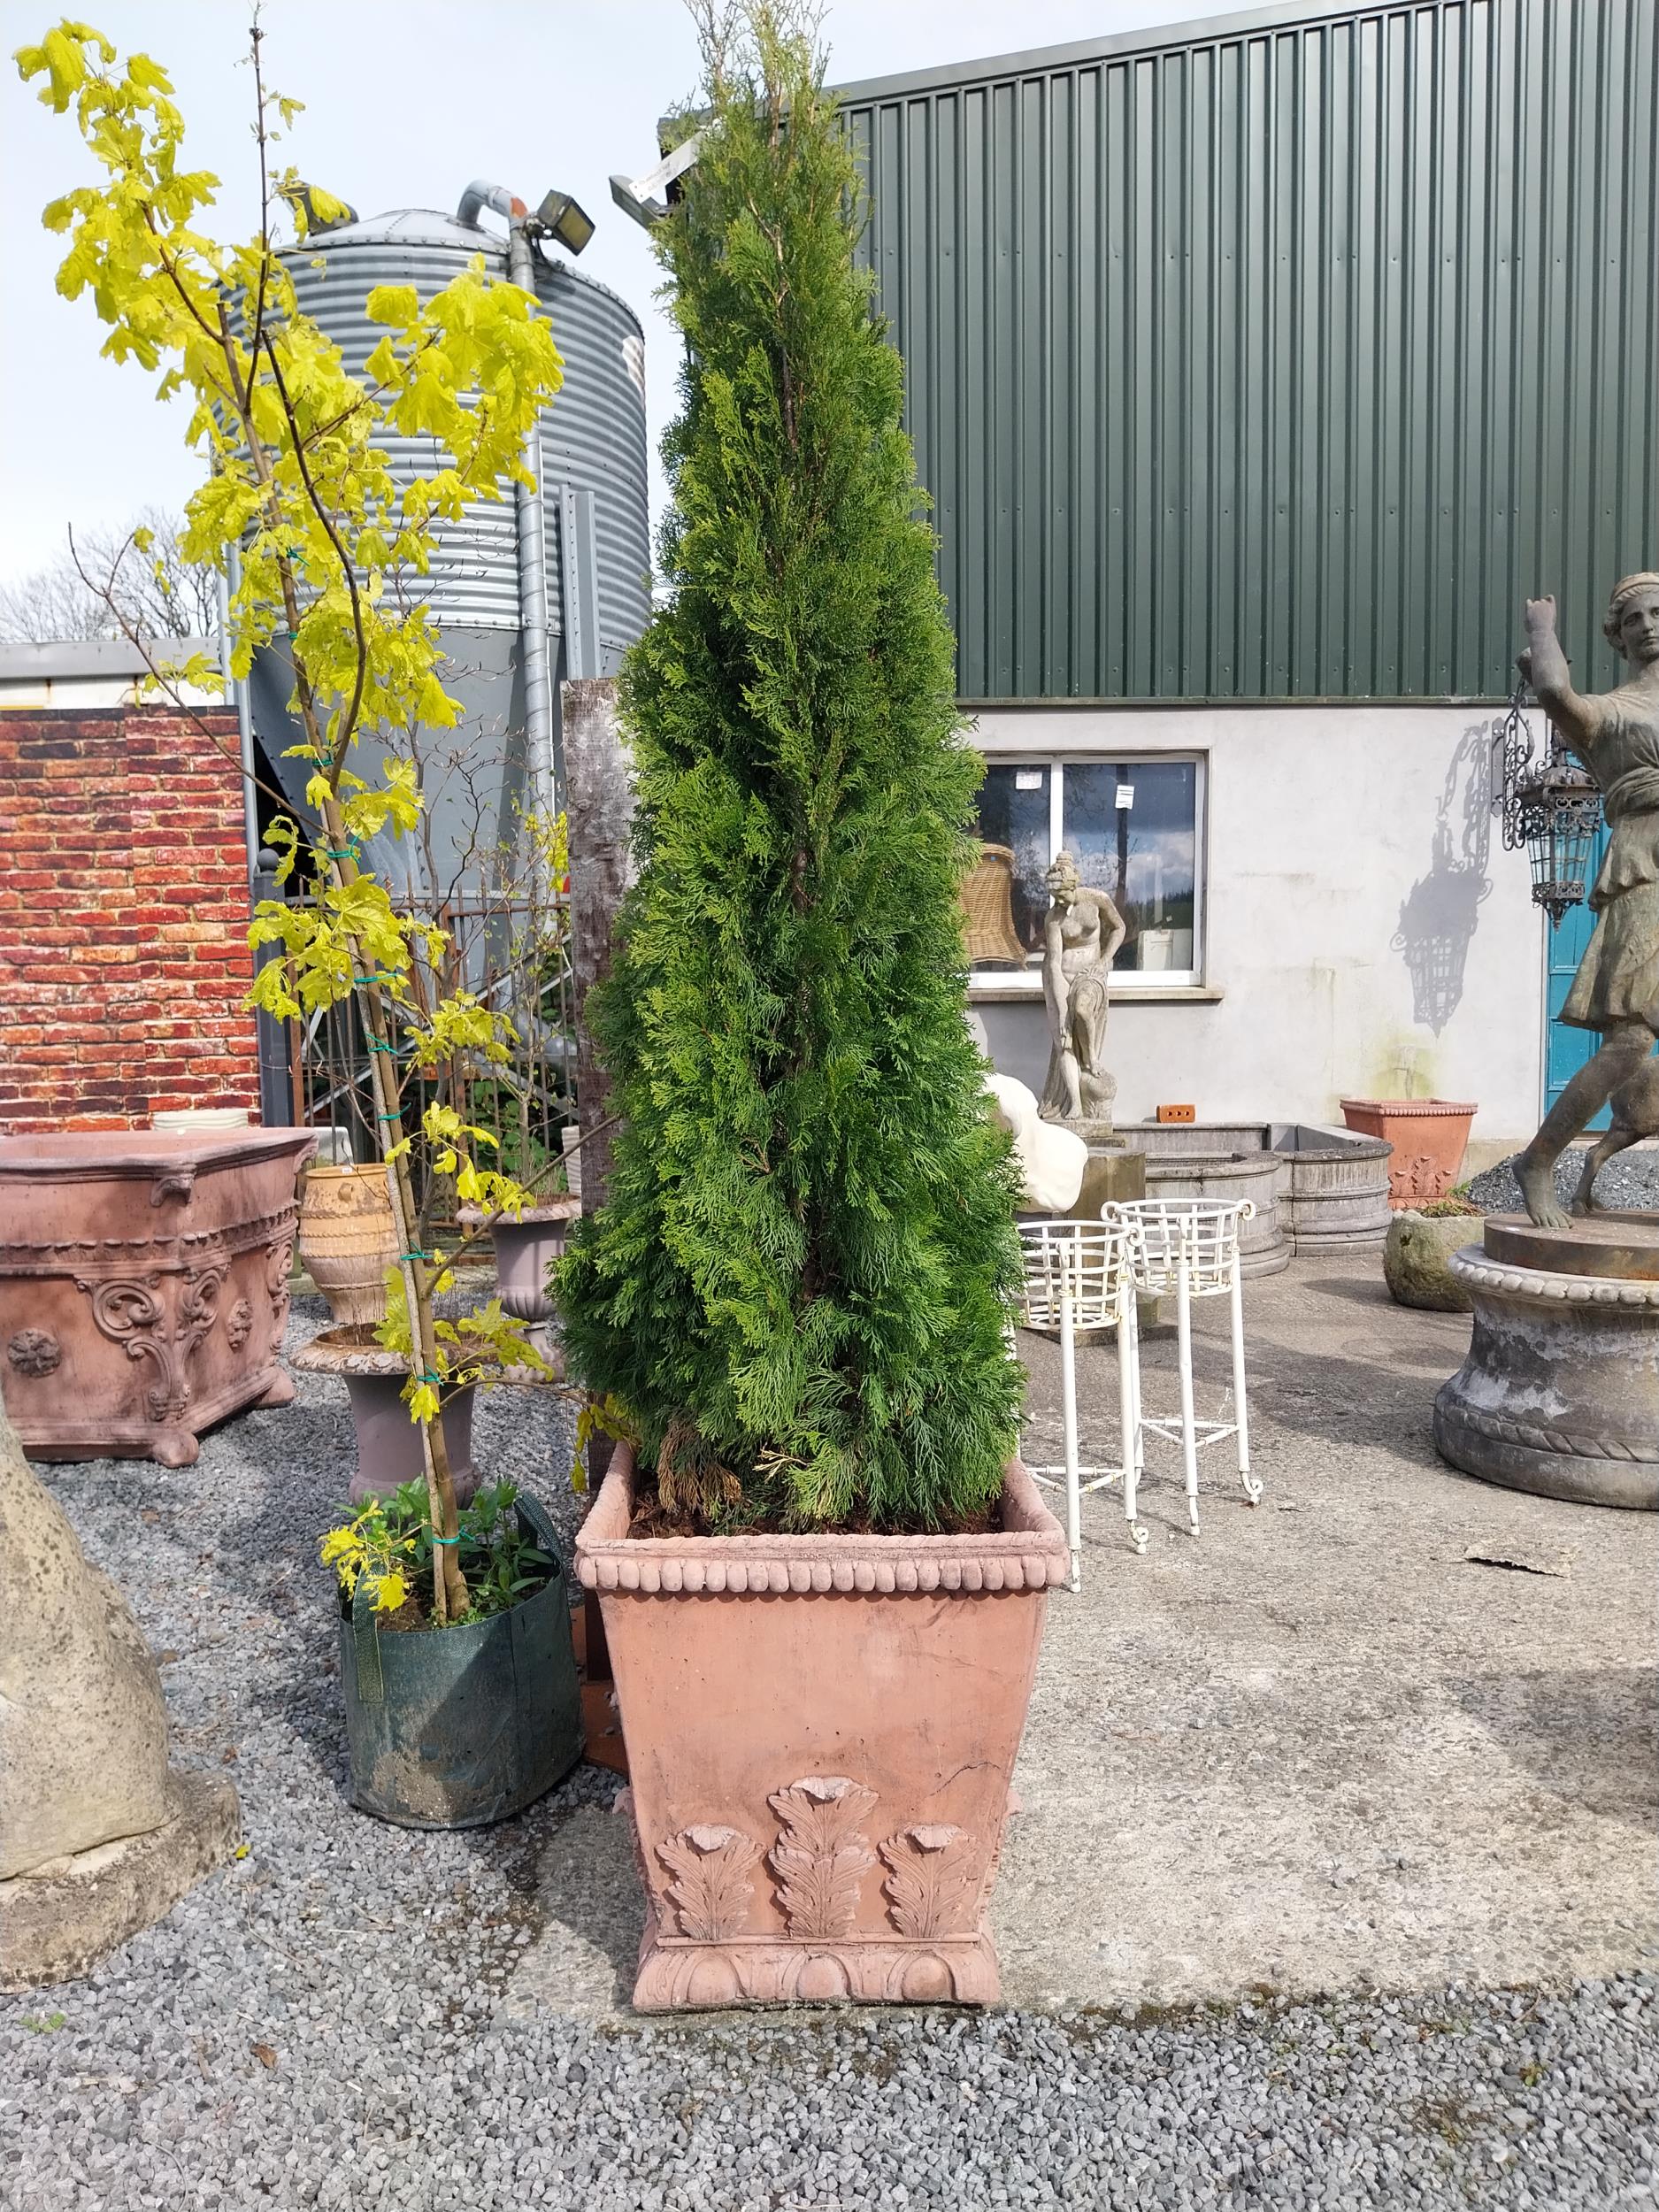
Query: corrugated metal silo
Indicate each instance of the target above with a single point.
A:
(591, 508)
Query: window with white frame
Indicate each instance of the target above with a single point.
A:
(1135, 829)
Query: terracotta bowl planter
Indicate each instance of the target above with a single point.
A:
(348, 1239)
(1428, 1136)
(144, 1286)
(388, 1442)
(820, 1732)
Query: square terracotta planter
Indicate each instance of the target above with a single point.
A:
(143, 1284)
(1428, 1136)
(821, 1732)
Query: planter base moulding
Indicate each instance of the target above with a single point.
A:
(821, 1733)
(60, 1919)
(144, 1286)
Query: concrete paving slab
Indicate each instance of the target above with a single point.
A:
(1319, 1747)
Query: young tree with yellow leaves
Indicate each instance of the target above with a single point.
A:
(333, 550)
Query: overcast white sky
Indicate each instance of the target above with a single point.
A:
(406, 100)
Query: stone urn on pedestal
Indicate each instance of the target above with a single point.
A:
(98, 1835)
(527, 1246)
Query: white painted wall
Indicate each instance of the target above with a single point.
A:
(1342, 842)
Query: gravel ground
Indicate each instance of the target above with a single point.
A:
(321, 2023)
(1629, 1179)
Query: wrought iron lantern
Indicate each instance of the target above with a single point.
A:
(1552, 806)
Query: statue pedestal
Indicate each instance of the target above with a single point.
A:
(1560, 1392)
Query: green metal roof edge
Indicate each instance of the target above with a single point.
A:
(1152, 38)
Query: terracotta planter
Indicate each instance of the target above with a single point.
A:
(821, 1734)
(144, 1286)
(348, 1239)
(1428, 1136)
(388, 1442)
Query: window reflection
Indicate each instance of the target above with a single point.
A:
(1014, 814)
(1132, 827)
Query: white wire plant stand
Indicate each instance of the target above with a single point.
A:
(1188, 1249)
(1080, 1275)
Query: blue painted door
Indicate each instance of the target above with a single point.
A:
(1569, 1049)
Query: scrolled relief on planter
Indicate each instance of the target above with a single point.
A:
(133, 1313)
(709, 1888)
(278, 1267)
(239, 1324)
(35, 1352)
(930, 1882)
(820, 1859)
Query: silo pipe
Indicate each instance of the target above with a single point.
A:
(533, 624)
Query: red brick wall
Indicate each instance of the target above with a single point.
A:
(124, 958)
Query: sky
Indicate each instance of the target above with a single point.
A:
(406, 100)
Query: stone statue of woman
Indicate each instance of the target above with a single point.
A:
(1083, 931)
(1615, 992)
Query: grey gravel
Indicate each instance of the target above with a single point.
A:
(321, 2025)
(1629, 1179)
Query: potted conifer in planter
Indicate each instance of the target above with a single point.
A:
(822, 1568)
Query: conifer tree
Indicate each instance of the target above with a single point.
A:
(796, 1290)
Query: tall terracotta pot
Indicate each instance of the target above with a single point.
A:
(1428, 1136)
(348, 1239)
(821, 1732)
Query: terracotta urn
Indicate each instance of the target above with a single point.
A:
(1428, 1136)
(388, 1442)
(143, 1284)
(821, 1733)
(348, 1239)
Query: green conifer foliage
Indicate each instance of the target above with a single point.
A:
(798, 1288)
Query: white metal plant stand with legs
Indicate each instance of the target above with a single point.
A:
(1080, 1275)
(1188, 1249)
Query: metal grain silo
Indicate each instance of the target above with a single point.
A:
(526, 592)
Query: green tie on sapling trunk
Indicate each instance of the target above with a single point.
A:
(332, 554)
(797, 1290)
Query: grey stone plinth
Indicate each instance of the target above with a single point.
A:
(1113, 1176)
(60, 1919)
(1560, 1392)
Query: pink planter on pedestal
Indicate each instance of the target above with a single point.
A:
(1428, 1136)
(144, 1286)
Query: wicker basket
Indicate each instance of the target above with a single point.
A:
(987, 904)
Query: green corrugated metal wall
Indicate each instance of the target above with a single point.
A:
(1281, 362)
